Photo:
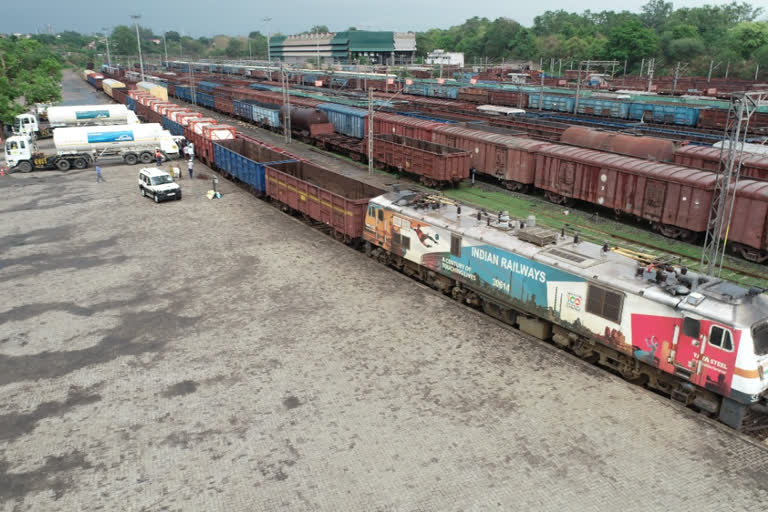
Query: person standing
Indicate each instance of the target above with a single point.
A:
(158, 157)
(99, 177)
(190, 164)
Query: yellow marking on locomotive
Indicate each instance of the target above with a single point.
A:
(302, 196)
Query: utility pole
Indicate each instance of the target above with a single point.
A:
(370, 132)
(651, 69)
(712, 67)
(135, 18)
(106, 36)
(727, 68)
(578, 88)
(165, 47)
(677, 74)
(287, 103)
(642, 64)
(741, 108)
(266, 20)
(757, 68)
(624, 78)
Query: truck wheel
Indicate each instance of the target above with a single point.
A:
(63, 165)
(24, 167)
(146, 157)
(143, 192)
(80, 163)
(131, 159)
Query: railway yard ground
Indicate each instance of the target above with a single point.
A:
(221, 355)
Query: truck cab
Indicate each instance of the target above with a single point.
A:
(18, 148)
(26, 124)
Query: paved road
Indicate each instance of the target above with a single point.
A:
(76, 91)
(220, 355)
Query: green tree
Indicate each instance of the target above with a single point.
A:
(29, 73)
(685, 49)
(632, 41)
(172, 36)
(319, 29)
(746, 37)
(656, 13)
(123, 40)
(507, 38)
(234, 47)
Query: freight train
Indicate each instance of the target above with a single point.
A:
(708, 114)
(675, 200)
(701, 341)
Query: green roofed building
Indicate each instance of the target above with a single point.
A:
(376, 47)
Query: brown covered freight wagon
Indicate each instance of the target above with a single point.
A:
(748, 233)
(676, 200)
(437, 165)
(708, 158)
(512, 160)
(325, 196)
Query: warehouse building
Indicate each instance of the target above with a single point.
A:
(445, 58)
(376, 47)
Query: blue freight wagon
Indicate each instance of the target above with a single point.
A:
(664, 113)
(551, 102)
(258, 112)
(346, 120)
(184, 92)
(172, 126)
(244, 169)
(204, 99)
(208, 86)
(603, 107)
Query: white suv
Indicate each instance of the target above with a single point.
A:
(158, 184)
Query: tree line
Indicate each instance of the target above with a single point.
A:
(29, 73)
(728, 34)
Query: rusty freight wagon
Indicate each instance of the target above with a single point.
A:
(335, 200)
(708, 158)
(748, 232)
(650, 148)
(394, 124)
(676, 200)
(512, 160)
(437, 165)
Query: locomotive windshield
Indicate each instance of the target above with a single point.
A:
(760, 336)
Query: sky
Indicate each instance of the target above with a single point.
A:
(239, 17)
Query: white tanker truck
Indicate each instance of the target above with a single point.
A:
(80, 115)
(81, 147)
